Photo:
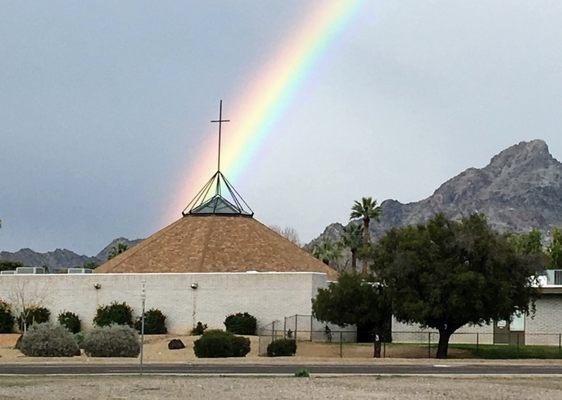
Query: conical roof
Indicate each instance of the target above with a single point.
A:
(216, 243)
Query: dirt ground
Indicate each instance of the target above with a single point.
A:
(156, 350)
(149, 388)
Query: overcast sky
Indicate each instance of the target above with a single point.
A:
(103, 104)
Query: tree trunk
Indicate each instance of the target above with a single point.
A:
(354, 260)
(366, 234)
(376, 344)
(443, 346)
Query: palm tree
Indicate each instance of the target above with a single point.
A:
(116, 250)
(367, 210)
(352, 238)
(327, 251)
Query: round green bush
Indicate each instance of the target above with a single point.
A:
(154, 323)
(48, 340)
(216, 343)
(112, 341)
(6, 318)
(115, 313)
(241, 324)
(282, 347)
(70, 321)
(33, 315)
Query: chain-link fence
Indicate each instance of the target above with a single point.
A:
(316, 339)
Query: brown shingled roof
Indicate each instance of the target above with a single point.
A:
(216, 244)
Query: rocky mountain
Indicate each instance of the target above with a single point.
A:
(62, 258)
(102, 255)
(520, 189)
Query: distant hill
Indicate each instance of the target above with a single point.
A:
(62, 258)
(520, 189)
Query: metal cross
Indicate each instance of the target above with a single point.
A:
(220, 121)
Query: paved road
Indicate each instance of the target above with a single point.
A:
(228, 369)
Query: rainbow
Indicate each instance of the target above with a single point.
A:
(268, 95)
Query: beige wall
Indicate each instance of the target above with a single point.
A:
(267, 296)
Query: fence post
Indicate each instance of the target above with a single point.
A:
(428, 344)
(284, 327)
(341, 345)
(296, 326)
(559, 342)
(273, 331)
(311, 328)
(518, 336)
(477, 342)
(383, 349)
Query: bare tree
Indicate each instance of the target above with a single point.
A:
(288, 233)
(23, 296)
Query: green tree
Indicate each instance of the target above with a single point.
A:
(447, 274)
(117, 249)
(554, 249)
(352, 238)
(9, 265)
(355, 299)
(367, 210)
(327, 251)
(527, 243)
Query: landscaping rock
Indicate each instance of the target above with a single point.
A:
(176, 344)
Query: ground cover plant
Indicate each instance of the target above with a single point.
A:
(112, 341)
(499, 352)
(48, 340)
(216, 343)
(282, 347)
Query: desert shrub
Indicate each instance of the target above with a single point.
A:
(33, 315)
(48, 340)
(154, 322)
(70, 321)
(282, 347)
(240, 346)
(112, 341)
(302, 373)
(241, 324)
(6, 318)
(199, 329)
(115, 313)
(216, 343)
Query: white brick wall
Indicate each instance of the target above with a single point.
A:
(267, 296)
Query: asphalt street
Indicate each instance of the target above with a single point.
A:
(273, 369)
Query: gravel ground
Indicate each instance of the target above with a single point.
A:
(356, 388)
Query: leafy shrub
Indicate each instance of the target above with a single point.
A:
(282, 347)
(302, 373)
(240, 346)
(70, 321)
(216, 343)
(79, 338)
(6, 318)
(48, 340)
(33, 315)
(199, 329)
(241, 324)
(154, 322)
(115, 313)
(112, 341)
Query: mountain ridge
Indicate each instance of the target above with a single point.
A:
(520, 189)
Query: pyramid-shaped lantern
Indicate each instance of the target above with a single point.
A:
(218, 196)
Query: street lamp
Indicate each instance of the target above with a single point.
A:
(143, 300)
